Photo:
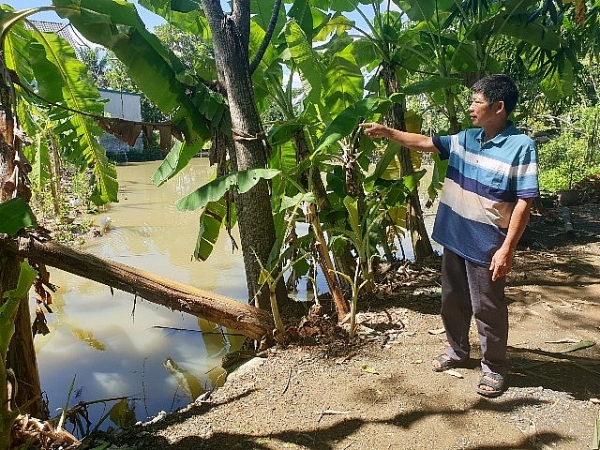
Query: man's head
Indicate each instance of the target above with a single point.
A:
(498, 88)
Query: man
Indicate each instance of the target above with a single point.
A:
(484, 208)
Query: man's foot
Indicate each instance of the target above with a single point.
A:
(443, 362)
(492, 385)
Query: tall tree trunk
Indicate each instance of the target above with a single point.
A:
(416, 224)
(255, 217)
(21, 354)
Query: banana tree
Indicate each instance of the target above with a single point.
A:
(291, 140)
(41, 76)
(51, 82)
(15, 215)
(384, 50)
(336, 149)
(463, 41)
(267, 80)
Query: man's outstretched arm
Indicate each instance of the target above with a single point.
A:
(412, 141)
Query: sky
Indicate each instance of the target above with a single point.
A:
(151, 20)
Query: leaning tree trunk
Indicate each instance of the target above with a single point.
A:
(255, 217)
(21, 354)
(416, 224)
(252, 322)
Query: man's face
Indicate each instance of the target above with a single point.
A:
(481, 110)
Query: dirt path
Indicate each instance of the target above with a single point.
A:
(380, 392)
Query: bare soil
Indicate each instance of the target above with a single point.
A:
(378, 391)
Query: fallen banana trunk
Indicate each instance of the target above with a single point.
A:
(252, 322)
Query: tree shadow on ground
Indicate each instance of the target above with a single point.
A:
(425, 301)
(575, 374)
(548, 269)
(328, 437)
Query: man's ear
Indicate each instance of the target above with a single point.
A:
(500, 107)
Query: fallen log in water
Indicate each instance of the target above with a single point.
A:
(252, 322)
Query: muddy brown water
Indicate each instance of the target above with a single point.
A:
(108, 342)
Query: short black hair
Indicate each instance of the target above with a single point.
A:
(496, 88)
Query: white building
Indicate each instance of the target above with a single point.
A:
(121, 105)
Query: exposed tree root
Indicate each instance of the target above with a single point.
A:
(41, 434)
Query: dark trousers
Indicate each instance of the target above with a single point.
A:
(468, 291)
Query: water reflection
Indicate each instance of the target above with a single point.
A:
(107, 338)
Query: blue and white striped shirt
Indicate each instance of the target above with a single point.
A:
(483, 183)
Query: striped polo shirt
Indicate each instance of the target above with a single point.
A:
(483, 183)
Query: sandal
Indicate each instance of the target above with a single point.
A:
(492, 385)
(444, 362)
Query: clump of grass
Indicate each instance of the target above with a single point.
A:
(63, 216)
(73, 233)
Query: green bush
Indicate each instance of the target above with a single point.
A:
(564, 161)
